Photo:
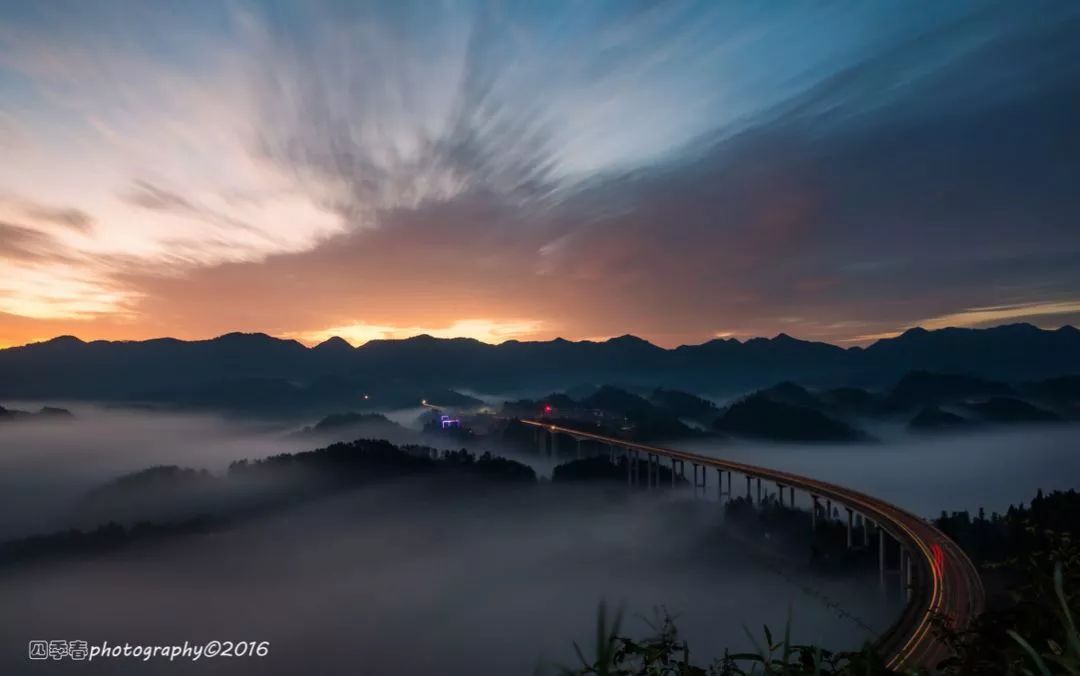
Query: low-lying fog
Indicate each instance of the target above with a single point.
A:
(398, 580)
(47, 465)
(926, 474)
(468, 585)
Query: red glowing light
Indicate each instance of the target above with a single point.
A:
(939, 559)
(547, 408)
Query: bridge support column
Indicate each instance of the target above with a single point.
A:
(673, 472)
(780, 493)
(828, 511)
(719, 485)
(881, 559)
(729, 486)
(792, 489)
(759, 491)
(747, 486)
(905, 574)
(813, 512)
(850, 520)
(910, 579)
(866, 523)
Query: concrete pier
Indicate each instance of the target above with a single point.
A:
(881, 559)
(700, 484)
(905, 574)
(850, 525)
(910, 580)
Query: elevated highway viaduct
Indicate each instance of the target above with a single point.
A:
(938, 579)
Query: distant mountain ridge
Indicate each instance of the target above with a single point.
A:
(282, 372)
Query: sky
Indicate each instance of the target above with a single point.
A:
(680, 171)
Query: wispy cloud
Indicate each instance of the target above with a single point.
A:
(69, 217)
(21, 243)
(982, 316)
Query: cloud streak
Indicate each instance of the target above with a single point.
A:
(675, 171)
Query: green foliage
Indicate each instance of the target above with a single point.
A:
(1030, 628)
(1037, 636)
(664, 653)
(1031, 562)
(1060, 656)
(1021, 531)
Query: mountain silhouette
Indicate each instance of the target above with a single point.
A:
(923, 388)
(1063, 391)
(354, 426)
(760, 416)
(684, 405)
(335, 345)
(261, 372)
(935, 418)
(43, 412)
(1010, 410)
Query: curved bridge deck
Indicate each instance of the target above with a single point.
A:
(945, 582)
